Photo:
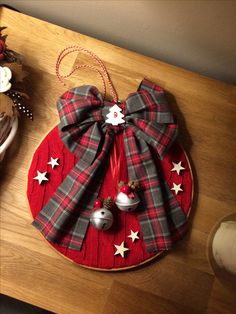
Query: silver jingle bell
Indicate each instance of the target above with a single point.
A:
(101, 219)
(125, 203)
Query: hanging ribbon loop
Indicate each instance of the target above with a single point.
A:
(102, 72)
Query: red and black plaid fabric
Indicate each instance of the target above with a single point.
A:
(149, 125)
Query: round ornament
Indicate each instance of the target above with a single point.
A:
(124, 244)
(93, 254)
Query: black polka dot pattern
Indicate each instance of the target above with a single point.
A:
(18, 102)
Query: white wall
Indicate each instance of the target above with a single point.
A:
(197, 35)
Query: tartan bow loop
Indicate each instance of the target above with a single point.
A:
(80, 121)
(150, 118)
(79, 105)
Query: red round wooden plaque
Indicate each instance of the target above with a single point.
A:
(99, 246)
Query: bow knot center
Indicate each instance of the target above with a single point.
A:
(113, 129)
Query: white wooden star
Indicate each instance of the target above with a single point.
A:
(121, 249)
(53, 162)
(133, 235)
(176, 188)
(177, 167)
(41, 176)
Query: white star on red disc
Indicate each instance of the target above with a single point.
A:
(41, 176)
(177, 167)
(133, 235)
(121, 249)
(53, 162)
(176, 188)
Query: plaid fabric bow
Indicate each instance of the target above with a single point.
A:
(149, 126)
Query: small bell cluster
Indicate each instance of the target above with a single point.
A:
(126, 200)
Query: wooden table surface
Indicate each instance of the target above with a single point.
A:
(182, 281)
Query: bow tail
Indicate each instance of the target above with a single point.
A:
(161, 218)
(65, 218)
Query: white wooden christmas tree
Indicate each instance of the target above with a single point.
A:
(115, 116)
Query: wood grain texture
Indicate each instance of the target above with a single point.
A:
(182, 281)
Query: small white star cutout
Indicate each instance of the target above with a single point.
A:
(177, 167)
(176, 188)
(41, 176)
(53, 162)
(133, 235)
(121, 249)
